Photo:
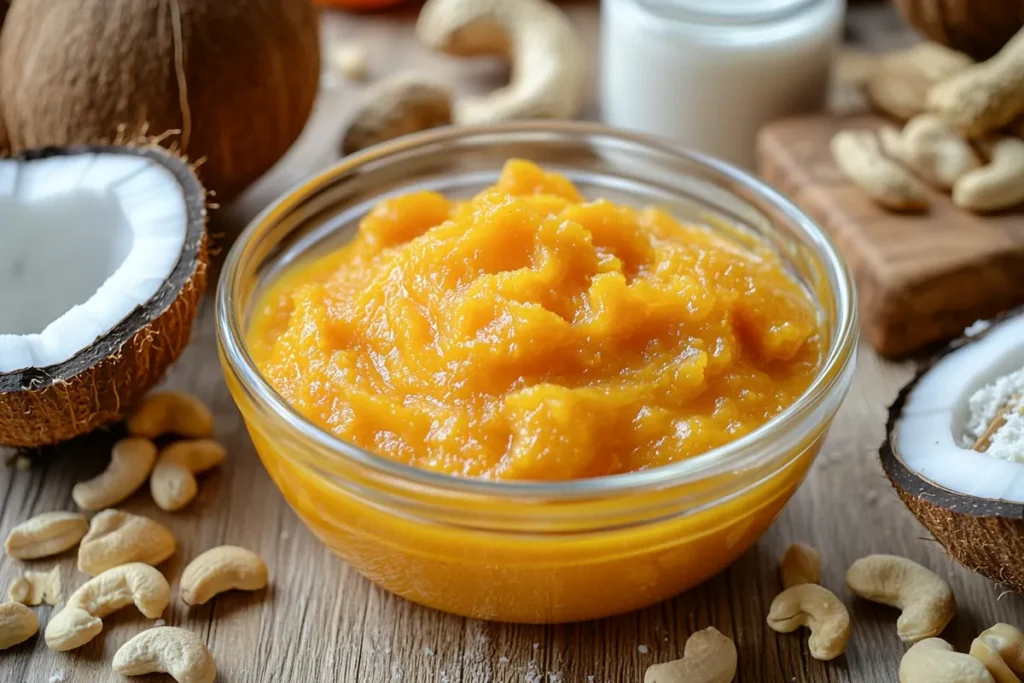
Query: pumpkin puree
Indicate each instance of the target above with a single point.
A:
(531, 334)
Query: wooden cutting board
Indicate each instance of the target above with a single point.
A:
(920, 278)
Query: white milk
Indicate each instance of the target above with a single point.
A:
(710, 73)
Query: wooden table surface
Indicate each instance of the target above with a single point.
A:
(320, 621)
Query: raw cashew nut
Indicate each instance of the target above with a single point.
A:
(17, 624)
(800, 564)
(34, 588)
(46, 534)
(926, 599)
(81, 619)
(173, 482)
(171, 412)
(933, 660)
(170, 650)
(997, 185)
(899, 85)
(548, 59)
(1001, 650)
(817, 608)
(708, 657)
(131, 461)
(117, 537)
(932, 149)
(986, 96)
(858, 156)
(220, 569)
(402, 104)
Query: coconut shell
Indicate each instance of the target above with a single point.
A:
(101, 383)
(978, 27)
(982, 534)
(237, 77)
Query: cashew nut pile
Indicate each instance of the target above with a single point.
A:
(120, 549)
(171, 472)
(963, 131)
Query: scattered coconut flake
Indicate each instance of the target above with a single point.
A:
(643, 649)
(533, 674)
(590, 678)
(536, 646)
(159, 622)
(503, 660)
(444, 676)
(977, 327)
(428, 651)
(57, 677)
(1001, 397)
(554, 677)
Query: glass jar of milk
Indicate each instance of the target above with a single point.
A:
(710, 73)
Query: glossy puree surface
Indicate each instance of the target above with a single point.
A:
(533, 334)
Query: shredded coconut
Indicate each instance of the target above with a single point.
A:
(428, 651)
(985, 404)
(642, 649)
(502, 660)
(159, 622)
(57, 677)
(977, 327)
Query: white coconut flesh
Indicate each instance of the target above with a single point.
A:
(85, 239)
(953, 405)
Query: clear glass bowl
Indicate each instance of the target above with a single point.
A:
(536, 552)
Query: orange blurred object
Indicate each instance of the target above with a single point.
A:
(358, 5)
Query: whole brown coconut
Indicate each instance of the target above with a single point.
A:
(237, 78)
(977, 27)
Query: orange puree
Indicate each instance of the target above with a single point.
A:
(532, 334)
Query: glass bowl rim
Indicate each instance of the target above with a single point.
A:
(743, 452)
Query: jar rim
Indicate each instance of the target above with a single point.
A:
(747, 451)
(737, 12)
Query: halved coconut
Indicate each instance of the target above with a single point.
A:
(102, 264)
(955, 449)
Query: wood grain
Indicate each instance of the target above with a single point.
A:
(320, 622)
(920, 278)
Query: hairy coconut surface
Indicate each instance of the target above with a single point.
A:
(984, 534)
(977, 27)
(100, 383)
(237, 78)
